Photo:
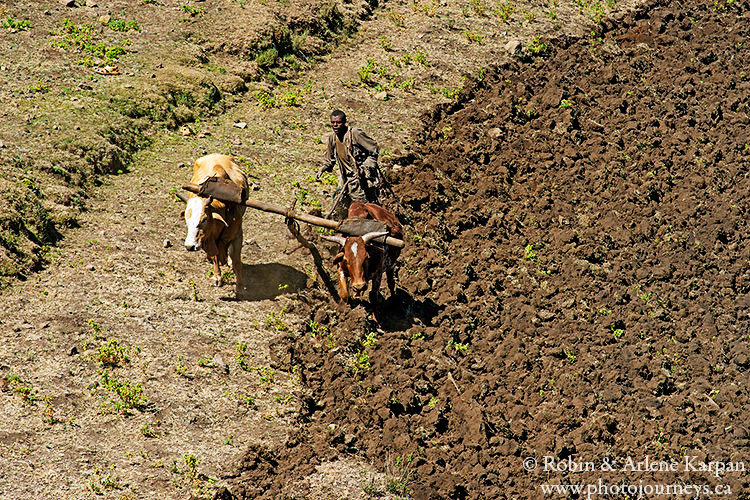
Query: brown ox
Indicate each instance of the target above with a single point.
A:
(361, 260)
(213, 225)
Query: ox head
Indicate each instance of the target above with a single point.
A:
(354, 261)
(198, 215)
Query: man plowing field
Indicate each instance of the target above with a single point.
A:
(356, 155)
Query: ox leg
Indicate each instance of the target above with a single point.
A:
(389, 271)
(218, 280)
(376, 280)
(235, 259)
(343, 285)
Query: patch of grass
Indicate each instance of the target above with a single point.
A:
(240, 353)
(386, 43)
(83, 38)
(265, 375)
(421, 57)
(25, 390)
(192, 11)
(72, 35)
(248, 400)
(529, 253)
(123, 25)
(360, 361)
(303, 196)
(18, 25)
(473, 36)
(99, 483)
(478, 6)
(399, 473)
(147, 431)
(112, 354)
(180, 368)
(131, 395)
(457, 346)
(428, 8)
(38, 88)
(267, 58)
(504, 10)
(537, 47)
(397, 18)
(275, 321)
(48, 413)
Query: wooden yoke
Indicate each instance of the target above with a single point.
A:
(217, 189)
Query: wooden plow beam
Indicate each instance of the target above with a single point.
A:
(228, 191)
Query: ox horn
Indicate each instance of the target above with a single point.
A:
(377, 234)
(334, 238)
(218, 217)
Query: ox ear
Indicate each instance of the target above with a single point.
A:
(339, 257)
(219, 218)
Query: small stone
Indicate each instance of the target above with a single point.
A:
(68, 3)
(105, 19)
(73, 351)
(494, 133)
(513, 47)
(381, 96)
(545, 315)
(91, 3)
(182, 164)
(240, 125)
(219, 363)
(185, 131)
(167, 244)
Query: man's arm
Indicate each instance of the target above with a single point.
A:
(367, 143)
(330, 159)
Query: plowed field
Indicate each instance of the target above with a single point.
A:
(576, 287)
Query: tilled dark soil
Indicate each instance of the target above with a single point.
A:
(576, 281)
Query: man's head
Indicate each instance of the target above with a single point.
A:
(338, 122)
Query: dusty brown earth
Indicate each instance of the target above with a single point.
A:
(575, 283)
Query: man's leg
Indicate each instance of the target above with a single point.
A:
(356, 193)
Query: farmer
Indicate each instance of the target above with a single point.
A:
(356, 155)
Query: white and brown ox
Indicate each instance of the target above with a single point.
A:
(213, 225)
(361, 260)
